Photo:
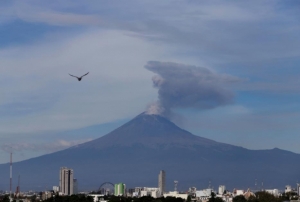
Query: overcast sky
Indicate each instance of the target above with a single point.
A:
(242, 58)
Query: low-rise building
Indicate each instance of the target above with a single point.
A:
(288, 188)
(46, 195)
(237, 192)
(146, 191)
(222, 189)
(176, 194)
(203, 194)
(97, 197)
(274, 192)
(248, 194)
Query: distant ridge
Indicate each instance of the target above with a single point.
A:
(135, 152)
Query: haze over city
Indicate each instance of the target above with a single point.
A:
(226, 71)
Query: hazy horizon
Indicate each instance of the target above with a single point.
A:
(226, 71)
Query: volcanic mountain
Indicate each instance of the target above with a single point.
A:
(135, 153)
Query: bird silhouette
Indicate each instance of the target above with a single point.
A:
(79, 78)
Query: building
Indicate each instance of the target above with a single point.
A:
(176, 194)
(66, 180)
(149, 191)
(274, 192)
(204, 194)
(75, 186)
(222, 189)
(248, 194)
(46, 195)
(288, 188)
(298, 189)
(162, 182)
(237, 192)
(55, 189)
(120, 189)
(97, 197)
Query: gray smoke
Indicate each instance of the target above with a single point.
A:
(184, 86)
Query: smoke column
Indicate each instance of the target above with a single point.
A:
(185, 86)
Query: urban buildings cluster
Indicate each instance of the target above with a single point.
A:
(68, 186)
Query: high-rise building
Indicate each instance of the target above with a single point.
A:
(119, 189)
(66, 181)
(75, 186)
(162, 182)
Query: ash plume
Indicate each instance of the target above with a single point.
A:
(185, 86)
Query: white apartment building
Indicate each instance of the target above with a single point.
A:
(274, 192)
(221, 190)
(204, 194)
(176, 194)
(150, 191)
(66, 180)
(288, 188)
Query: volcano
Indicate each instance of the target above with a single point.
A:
(135, 153)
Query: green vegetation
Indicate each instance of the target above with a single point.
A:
(144, 199)
(213, 198)
(239, 198)
(4, 198)
(263, 196)
(73, 198)
(83, 198)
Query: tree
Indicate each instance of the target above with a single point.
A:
(5, 198)
(213, 198)
(239, 198)
(263, 196)
(287, 196)
(173, 199)
(252, 199)
(33, 198)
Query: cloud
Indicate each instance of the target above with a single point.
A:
(59, 19)
(185, 86)
(39, 95)
(41, 147)
(43, 13)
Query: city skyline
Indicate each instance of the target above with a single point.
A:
(240, 59)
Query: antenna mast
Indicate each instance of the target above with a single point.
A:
(18, 187)
(256, 185)
(175, 185)
(10, 184)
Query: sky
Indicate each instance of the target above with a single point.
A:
(228, 71)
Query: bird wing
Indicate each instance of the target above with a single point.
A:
(84, 74)
(73, 76)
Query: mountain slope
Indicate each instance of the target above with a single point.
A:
(135, 153)
(149, 130)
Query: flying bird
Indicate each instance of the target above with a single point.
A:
(79, 78)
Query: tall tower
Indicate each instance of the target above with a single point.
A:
(66, 181)
(10, 183)
(162, 182)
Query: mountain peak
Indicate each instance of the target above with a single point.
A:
(149, 130)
